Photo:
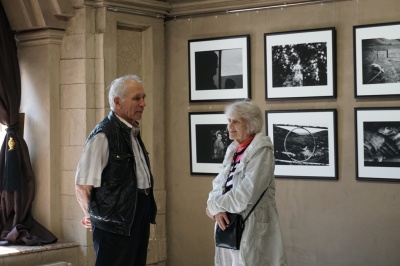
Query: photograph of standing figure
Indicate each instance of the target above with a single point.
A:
(298, 65)
(218, 146)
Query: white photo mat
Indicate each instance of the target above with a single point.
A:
(243, 66)
(309, 119)
(300, 37)
(206, 119)
(389, 32)
(365, 115)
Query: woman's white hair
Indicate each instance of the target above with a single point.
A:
(117, 88)
(249, 111)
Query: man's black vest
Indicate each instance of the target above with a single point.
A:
(112, 205)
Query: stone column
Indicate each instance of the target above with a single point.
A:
(39, 57)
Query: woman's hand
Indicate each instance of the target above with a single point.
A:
(222, 220)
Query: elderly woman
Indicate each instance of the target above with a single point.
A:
(247, 170)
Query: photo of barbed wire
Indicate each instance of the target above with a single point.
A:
(301, 145)
(381, 61)
(297, 65)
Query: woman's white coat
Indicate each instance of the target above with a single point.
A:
(262, 242)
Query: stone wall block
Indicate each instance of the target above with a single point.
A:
(152, 251)
(64, 127)
(74, 126)
(90, 45)
(74, 46)
(99, 67)
(158, 230)
(99, 44)
(162, 249)
(100, 114)
(68, 183)
(78, 130)
(90, 71)
(90, 96)
(161, 198)
(70, 156)
(74, 231)
(66, 254)
(77, 24)
(90, 20)
(101, 17)
(74, 96)
(86, 256)
(24, 260)
(90, 121)
(101, 96)
(77, 71)
(83, 21)
(73, 71)
(70, 209)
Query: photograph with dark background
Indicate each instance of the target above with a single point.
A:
(297, 65)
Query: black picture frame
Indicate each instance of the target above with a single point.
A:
(305, 143)
(377, 134)
(376, 60)
(208, 142)
(219, 69)
(300, 64)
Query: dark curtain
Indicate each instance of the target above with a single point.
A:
(17, 184)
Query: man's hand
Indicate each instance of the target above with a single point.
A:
(82, 195)
(86, 223)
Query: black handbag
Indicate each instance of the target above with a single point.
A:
(230, 237)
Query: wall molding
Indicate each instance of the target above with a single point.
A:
(40, 37)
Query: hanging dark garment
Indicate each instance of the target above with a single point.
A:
(17, 184)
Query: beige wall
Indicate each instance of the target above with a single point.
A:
(343, 222)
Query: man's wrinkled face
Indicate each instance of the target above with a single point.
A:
(131, 107)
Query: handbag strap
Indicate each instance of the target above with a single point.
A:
(247, 216)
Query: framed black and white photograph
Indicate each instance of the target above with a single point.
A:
(208, 142)
(305, 143)
(300, 64)
(219, 69)
(377, 60)
(377, 144)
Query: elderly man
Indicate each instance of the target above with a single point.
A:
(114, 183)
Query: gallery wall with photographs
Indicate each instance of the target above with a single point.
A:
(300, 65)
